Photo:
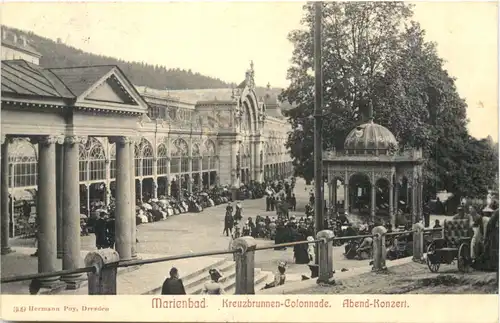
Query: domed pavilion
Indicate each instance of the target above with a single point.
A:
(379, 179)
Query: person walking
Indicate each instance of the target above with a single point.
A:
(173, 285)
(101, 241)
(228, 224)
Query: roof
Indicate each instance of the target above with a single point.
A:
(370, 136)
(79, 79)
(193, 96)
(26, 79)
(21, 77)
(19, 45)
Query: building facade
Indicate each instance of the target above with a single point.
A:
(82, 133)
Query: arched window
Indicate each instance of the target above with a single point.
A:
(147, 158)
(24, 161)
(267, 153)
(184, 156)
(196, 155)
(82, 164)
(137, 158)
(209, 162)
(162, 160)
(97, 161)
(179, 160)
(92, 162)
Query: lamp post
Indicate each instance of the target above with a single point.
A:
(318, 115)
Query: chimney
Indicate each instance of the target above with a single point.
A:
(15, 38)
(23, 39)
(4, 34)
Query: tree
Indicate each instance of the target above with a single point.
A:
(373, 52)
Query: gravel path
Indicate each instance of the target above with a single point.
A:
(412, 278)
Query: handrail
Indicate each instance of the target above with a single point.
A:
(128, 263)
(353, 237)
(433, 229)
(47, 275)
(289, 244)
(398, 233)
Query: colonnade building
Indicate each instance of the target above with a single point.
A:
(78, 134)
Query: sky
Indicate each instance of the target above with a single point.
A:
(220, 39)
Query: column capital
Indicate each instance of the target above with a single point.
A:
(75, 140)
(4, 137)
(48, 140)
(121, 140)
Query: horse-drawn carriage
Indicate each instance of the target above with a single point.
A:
(454, 245)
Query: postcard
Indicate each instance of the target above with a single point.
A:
(249, 161)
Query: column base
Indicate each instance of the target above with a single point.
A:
(6, 250)
(52, 284)
(329, 281)
(73, 282)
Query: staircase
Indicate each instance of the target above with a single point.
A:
(195, 281)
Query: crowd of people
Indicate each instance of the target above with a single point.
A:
(101, 221)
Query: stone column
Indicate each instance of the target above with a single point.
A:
(200, 173)
(108, 180)
(391, 204)
(59, 197)
(396, 196)
(421, 199)
(47, 208)
(4, 178)
(346, 198)
(335, 196)
(133, 230)
(234, 170)
(257, 161)
(190, 175)
(373, 200)
(155, 177)
(169, 180)
(123, 225)
(209, 171)
(414, 201)
(71, 258)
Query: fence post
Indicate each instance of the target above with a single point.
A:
(325, 257)
(245, 265)
(103, 281)
(379, 250)
(418, 242)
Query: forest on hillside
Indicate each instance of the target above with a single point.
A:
(57, 54)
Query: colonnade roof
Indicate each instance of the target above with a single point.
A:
(100, 87)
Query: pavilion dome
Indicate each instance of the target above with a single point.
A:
(370, 137)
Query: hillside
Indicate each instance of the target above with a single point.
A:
(57, 54)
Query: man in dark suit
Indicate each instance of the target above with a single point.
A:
(173, 285)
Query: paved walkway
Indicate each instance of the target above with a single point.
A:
(186, 233)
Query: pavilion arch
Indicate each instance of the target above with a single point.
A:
(251, 107)
(144, 158)
(24, 160)
(382, 194)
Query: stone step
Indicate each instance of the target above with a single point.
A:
(198, 277)
(261, 278)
